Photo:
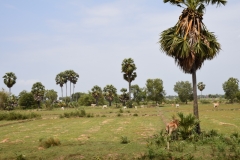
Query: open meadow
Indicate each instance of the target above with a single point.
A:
(102, 134)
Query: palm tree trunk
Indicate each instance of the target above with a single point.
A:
(62, 91)
(73, 91)
(66, 93)
(195, 103)
(10, 90)
(70, 92)
(129, 86)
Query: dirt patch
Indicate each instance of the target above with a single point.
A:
(83, 137)
(5, 140)
(222, 123)
(107, 121)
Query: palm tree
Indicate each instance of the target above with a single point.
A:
(189, 42)
(96, 93)
(109, 92)
(124, 97)
(74, 80)
(128, 68)
(201, 87)
(9, 80)
(38, 91)
(60, 79)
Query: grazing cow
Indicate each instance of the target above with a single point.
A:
(125, 107)
(93, 105)
(136, 107)
(216, 105)
(104, 106)
(62, 108)
(177, 105)
(142, 106)
(172, 126)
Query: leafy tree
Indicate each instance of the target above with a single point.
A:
(128, 68)
(109, 92)
(12, 102)
(77, 95)
(51, 95)
(201, 87)
(124, 97)
(238, 96)
(155, 90)
(38, 91)
(189, 42)
(26, 100)
(231, 88)
(86, 100)
(3, 98)
(184, 90)
(9, 80)
(96, 93)
(139, 94)
(61, 80)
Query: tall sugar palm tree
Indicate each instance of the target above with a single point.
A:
(38, 91)
(128, 68)
(61, 80)
(9, 80)
(96, 93)
(74, 80)
(189, 42)
(201, 87)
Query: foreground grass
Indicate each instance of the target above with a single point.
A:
(100, 136)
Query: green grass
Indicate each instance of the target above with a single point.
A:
(100, 136)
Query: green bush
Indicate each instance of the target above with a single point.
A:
(82, 113)
(50, 142)
(135, 114)
(204, 101)
(18, 116)
(124, 140)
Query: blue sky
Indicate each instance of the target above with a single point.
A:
(39, 39)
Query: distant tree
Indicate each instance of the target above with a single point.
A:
(96, 93)
(109, 92)
(201, 87)
(12, 101)
(61, 80)
(184, 91)
(74, 81)
(9, 79)
(72, 77)
(3, 98)
(26, 100)
(231, 88)
(77, 95)
(38, 91)
(238, 96)
(124, 97)
(128, 68)
(51, 95)
(155, 90)
(86, 100)
(139, 94)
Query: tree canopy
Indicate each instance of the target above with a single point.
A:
(184, 91)
(231, 88)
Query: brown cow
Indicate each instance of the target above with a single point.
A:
(172, 126)
(216, 105)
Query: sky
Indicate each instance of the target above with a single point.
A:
(40, 39)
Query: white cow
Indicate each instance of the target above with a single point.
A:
(136, 107)
(177, 105)
(104, 106)
(93, 105)
(62, 108)
(142, 106)
(215, 105)
(125, 107)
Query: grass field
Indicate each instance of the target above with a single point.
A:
(99, 137)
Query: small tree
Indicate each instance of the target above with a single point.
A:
(124, 97)
(128, 68)
(96, 93)
(155, 90)
(26, 100)
(184, 91)
(231, 88)
(109, 92)
(201, 87)
(51, 95)
(38, 91)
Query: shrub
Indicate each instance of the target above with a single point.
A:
(135, 114)
(82, 113)
(50, 142)
(18, 116)
(204, 101)
(124, 140)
